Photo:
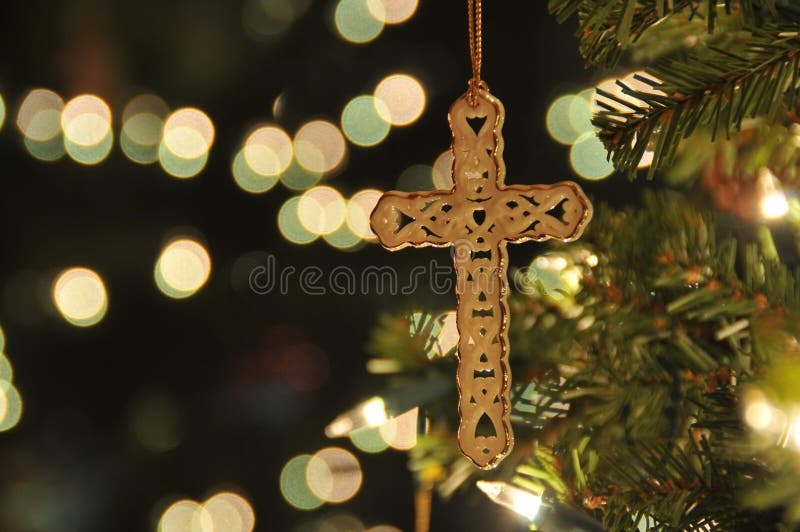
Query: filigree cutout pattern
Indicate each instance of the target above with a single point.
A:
(478, 217)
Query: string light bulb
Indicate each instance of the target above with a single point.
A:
(523, 502)
(772, 199)
(370, 413)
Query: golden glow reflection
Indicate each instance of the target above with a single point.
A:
(2, 111)
(403, 99)
(80, 296)
(183, 268)
(319, 146)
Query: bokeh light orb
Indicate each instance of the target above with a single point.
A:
(10, 406)
(268, 151)
(401, 432)
(362, 121)
(355, 21)
(562, 117)
(334, 475)
(6, 369)
(39, 121)
(442, 171)
(249, 180)
(266, 20)
(403, 99)
(319, 146)
(322, 210)
(359, 209)
(142, 128)
(183, 268)
(289, 223)
(368, 440)
(2, 112)
(187, 139)
(298, 178)
(416, 177)
(294, 484)
(86, 123)
(185, 516)
(230, 512)
(343, 239)
(80, 296)
(588, 158)
(392, 11)
(2, 340)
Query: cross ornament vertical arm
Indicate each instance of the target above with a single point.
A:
(478, 217)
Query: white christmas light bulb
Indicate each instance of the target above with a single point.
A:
(773, 202)
(521, 501)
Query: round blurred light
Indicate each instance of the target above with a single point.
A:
(10, 406)
(39, 116)
(39, 120)
(247, 179)
(2, 111)
(80, 296)
(758, 414)
(185, 516)
(580, 111)
(289, 223)
(2, 340)
(774, 205)
(392, 11)
(86, 123)
(319, 146)
(294, 484)
(362, 120)
(268, 151)
(368, 440)
(355, 22)
(322, 210)
(334, 475)
(383, 528)
(403, 99)
(343, 239)
(442, 171)
(401, 432)
(155, 423)
(565, 118)
(142, 128)
(183, 268)
(6, 369)
(188, 137)
(415, 178)
(268, 19)
(298, 178)
(588, 158)
(230, 512)
(359, 209)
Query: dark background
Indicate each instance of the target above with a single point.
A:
(220, 357)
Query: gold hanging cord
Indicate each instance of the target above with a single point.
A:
(475, 16)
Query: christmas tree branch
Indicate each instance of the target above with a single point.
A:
(715, 89)
(608, 27)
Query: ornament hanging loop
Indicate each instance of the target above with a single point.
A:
(475, 21)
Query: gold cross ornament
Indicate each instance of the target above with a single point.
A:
(478, 216)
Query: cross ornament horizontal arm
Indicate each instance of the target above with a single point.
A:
(479, 216)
